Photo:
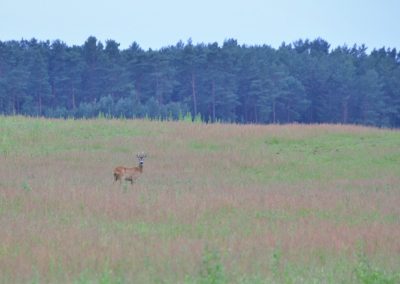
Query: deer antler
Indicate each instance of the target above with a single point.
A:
(141, 155)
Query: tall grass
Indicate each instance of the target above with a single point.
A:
(216, 202)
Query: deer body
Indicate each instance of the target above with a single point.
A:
(129, 174)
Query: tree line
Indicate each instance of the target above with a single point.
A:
(305, 81)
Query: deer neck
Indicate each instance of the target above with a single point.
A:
(140, 167)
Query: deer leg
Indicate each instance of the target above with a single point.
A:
(116, 178)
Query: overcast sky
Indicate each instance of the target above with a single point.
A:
(155, 24)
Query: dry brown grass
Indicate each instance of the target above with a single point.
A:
(234, 189)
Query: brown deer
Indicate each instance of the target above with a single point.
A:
(130, 174)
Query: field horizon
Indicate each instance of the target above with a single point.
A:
(216, 203)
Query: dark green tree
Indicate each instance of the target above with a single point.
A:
(38, 85)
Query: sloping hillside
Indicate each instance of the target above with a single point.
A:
(215, 202)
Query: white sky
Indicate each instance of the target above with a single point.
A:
(155, 24)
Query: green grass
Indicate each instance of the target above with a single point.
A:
(216, 203)
(43, 137)
(205, 146)
(328, 156)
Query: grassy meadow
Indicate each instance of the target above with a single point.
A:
(216, 203)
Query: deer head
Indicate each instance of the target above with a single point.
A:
(141, 157)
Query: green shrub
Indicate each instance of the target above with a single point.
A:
(212, 270)
(367, 274)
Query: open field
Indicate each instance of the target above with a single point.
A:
(215, 204)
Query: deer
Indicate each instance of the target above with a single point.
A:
(130, 174)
